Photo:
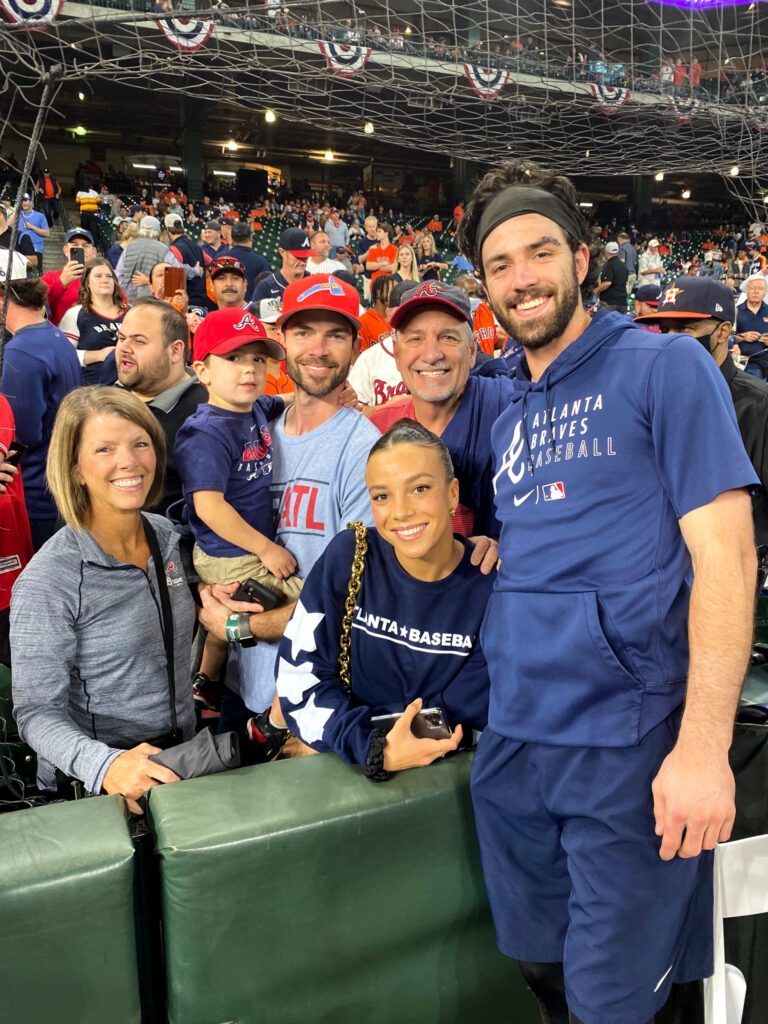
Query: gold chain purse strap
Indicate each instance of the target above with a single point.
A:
(355, 579)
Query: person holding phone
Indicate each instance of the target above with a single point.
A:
(64, 284)
(93, 708)
(414, 632)
(93, 325)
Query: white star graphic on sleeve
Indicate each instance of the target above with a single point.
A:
(311, 720)
(293, 681)
(301, 630)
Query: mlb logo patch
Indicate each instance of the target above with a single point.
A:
(553, 492)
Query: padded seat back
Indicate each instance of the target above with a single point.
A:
(300, 892)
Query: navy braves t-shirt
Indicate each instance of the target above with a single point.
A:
(230, 452)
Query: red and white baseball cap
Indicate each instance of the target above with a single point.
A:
(226, 330)
(321, 291)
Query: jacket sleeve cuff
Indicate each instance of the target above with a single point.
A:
(95, 784)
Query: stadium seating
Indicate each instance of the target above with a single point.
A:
(310, 895)
(67, 938)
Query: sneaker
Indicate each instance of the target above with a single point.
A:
(207, 694)
(268, 739)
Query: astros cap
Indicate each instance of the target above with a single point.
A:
(321, 291)
(693, 298)
(226, 330)
(649, 294)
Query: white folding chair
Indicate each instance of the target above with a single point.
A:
(740, 889)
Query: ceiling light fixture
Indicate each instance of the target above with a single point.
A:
(368, 128)
(328, 155)
(658, 176)
(270, 116)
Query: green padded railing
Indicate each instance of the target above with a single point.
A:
(300, 892)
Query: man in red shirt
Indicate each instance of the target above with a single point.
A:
(64, 284)
(381, 258)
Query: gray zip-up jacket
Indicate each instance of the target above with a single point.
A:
(89, 666)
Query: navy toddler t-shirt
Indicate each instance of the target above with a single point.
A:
(231, 452)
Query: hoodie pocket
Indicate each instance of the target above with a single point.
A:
(555, 676)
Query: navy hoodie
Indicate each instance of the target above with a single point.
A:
(586, 631)
(40, 368)
(409, 639)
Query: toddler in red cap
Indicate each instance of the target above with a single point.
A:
(224, 459)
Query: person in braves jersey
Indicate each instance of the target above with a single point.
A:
(375, 377)
(414, 635)
(224, 459)
(93, 325)
(294, 249)
(435, 351)
(602, 887)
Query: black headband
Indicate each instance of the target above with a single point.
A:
(518, 199)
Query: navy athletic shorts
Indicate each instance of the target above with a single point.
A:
(573, 873)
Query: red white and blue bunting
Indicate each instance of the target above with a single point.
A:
(683, 109)
(486, 82)
(343, 60)
(186, 34)
(609, 98)
(31, 12)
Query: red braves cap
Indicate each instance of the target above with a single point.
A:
(226, 330)
(321, 291)
(433, 293)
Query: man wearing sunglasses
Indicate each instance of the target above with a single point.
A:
(229, 282)
(705, 309)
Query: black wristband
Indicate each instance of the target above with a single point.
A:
(374, 763)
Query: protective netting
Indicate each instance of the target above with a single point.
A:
(622, 86)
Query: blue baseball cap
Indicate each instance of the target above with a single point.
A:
(78, 233)
(693, 298)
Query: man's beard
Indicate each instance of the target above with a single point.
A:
(542, 330)
(310, 386)
(146, 380)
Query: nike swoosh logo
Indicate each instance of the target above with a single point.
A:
(525, 497)
(663, 978)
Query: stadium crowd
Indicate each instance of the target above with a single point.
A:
(184, 420)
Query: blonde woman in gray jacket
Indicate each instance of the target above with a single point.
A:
(98, 685)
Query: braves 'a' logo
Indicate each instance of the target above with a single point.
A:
(429, 288)
(246, 321)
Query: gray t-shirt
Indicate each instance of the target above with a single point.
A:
(318, 486)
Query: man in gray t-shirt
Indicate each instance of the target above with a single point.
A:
(319, 453)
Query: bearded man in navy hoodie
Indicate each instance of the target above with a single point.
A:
(619, 630)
